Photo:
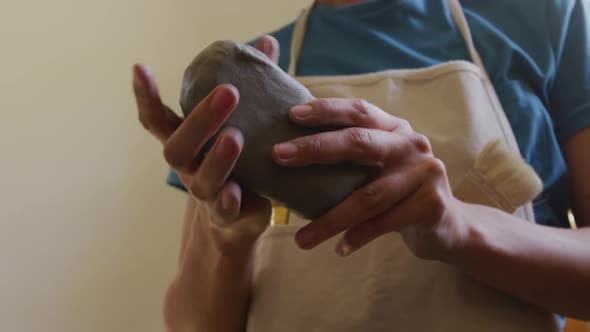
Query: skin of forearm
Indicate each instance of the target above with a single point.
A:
(544, 266)
(213, 287)
(222, 293)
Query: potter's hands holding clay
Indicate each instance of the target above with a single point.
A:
(409, 192)
(237, 218)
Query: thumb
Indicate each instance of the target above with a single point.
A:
(269, 46)
(156, 117)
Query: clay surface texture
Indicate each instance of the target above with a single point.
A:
(267, 94)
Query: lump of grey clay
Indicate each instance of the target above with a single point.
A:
(267, 94)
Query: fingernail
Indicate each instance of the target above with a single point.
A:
(225, 148)
(225, 202)
(304, 239)
(286, 151)
(143, 77)
(343, 248)
(301, 111)
(266, 46)
(222, 99)
(136, 76)
(147, 70)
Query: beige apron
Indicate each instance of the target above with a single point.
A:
(383, 287)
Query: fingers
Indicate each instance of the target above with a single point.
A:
(360, 145)
(255, 214)
(406, 212)
(217, 165)
(210, 181)
(247, 214)
(345, 112)
(427, 204)
(367, 203)
(185, 144)
(157, 118)
(269, 45)
(373, 138)
(227, 205)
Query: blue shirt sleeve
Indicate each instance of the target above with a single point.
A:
(173, 180)
(569, 93)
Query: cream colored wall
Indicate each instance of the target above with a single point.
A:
(88, 230)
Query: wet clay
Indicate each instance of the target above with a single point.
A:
(267, 94)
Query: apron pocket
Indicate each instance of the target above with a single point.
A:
(500, 178)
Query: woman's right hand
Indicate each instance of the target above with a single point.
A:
(233, 219)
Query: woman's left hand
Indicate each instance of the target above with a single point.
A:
(409, 194)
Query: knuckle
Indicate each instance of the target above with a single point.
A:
(362, 142)
(405, 124)
(421, 143)
(312, 144)
(436, 203)
(361, 110)
(435, 167)
(435, 197)
(359, 137)
(325, 105)
(370, 197)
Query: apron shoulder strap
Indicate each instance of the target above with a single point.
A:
(456, 12)
(461, 22)
(297, 40)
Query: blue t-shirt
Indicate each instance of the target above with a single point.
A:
(537, 53)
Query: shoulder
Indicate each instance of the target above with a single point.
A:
(525, 13)
(536, 28)
(524, 6)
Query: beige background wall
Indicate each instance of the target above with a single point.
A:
(88, 230)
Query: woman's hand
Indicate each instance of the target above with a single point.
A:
(237, 218)
(409, 192)
(211, 289)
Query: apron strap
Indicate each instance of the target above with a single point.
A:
(297, 39)
(456, 12)
(461, 22)
(463, 27)
(527, 211)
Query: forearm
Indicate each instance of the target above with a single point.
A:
(222, 295)
(212, 289)
(544, 266)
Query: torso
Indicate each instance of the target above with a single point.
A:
(381, 34)
(383, 286)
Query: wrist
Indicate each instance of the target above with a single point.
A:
(232, 249)
(223, 243)
(222, 255)
(466, 234)
(475, 243)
